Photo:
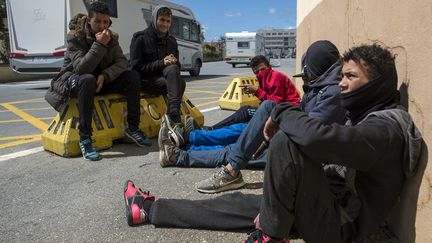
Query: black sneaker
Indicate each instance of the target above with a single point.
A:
(138, 137)
(190, 125)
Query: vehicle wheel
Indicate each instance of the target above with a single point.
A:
(196, 71)
(233, 65)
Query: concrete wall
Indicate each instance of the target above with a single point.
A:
(403, 26)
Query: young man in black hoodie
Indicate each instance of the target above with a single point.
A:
(154, 55)
(379, 145)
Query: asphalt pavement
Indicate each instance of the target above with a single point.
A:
(47, 198)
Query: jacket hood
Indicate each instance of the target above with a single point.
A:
(413, 137)
(80, 29)
(330, 77)
(154, 19)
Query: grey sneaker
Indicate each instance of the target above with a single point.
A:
(168, 152)
(220, 181)
(175, 131)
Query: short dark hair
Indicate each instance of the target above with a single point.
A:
(164, 11)
(259, 59)
(98, 7)
(375, 59)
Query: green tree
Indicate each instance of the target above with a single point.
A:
(4, 35)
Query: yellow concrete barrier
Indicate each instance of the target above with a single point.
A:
(234, 97)
(109, 122)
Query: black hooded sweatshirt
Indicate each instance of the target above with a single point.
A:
(374, 146)
(148, 49)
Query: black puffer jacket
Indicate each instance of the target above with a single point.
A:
(85, 56)
(148, 49)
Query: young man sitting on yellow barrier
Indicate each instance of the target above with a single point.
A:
(95, 64)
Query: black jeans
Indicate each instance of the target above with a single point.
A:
(241, 115)
(297, 192)
(296, 195)
(128, 83)
(169, 83)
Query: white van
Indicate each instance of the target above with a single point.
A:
(241, 47)
(38, 29)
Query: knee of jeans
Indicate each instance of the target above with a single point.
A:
(172, 68)
(87, 80)
(268, 104)
(133, 78)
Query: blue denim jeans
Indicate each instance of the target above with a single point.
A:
(222, 136)
(237, 154)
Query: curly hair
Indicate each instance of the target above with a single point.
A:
(375, 59)
(98, 7)
(259, 59)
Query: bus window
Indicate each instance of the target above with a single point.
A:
(186, 30)
(147, 14)
(243, 45)
(112, 5)
(194, 32)
(175, 27)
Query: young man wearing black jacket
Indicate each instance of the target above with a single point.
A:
(94, 63)
(380, 145)
(154, 55)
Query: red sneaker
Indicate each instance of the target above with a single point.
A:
(258, 236)
(135, 200)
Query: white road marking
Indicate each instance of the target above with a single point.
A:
(21, 153)
(40, 149)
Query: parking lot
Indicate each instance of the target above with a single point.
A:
(47, 198)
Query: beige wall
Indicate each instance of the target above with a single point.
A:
(403, 26)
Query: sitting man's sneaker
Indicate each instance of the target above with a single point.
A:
(138, 204)
(175, 131)
(258, 236)
(168, 152)
(190, 125)
(138, 137)
(87, 150)
(220, 181)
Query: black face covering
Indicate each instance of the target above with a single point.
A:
(377, 94)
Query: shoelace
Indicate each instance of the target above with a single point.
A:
(138, 135)
(219, 172)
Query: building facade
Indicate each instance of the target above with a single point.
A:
(280, 42)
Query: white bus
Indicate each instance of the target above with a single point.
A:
(241, 47)
(38, 29)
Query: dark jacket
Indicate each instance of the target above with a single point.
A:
(85, 56)
(321, 99)
(375, 148)
(147, 51)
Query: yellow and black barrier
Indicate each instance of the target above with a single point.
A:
(109, 122)
(234, 97)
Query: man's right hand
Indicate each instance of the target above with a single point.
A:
(170, 59)
(270, 129)
(103, 37)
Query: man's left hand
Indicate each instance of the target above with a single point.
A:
(99, 83)
(248, 88)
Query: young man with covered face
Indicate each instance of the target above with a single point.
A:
(94, 64)
(380, 144)
(320, 100)
(154, 54)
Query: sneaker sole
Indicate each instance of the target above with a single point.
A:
(231, 186)
(161, 146)
(129, 218)
(141, 145)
